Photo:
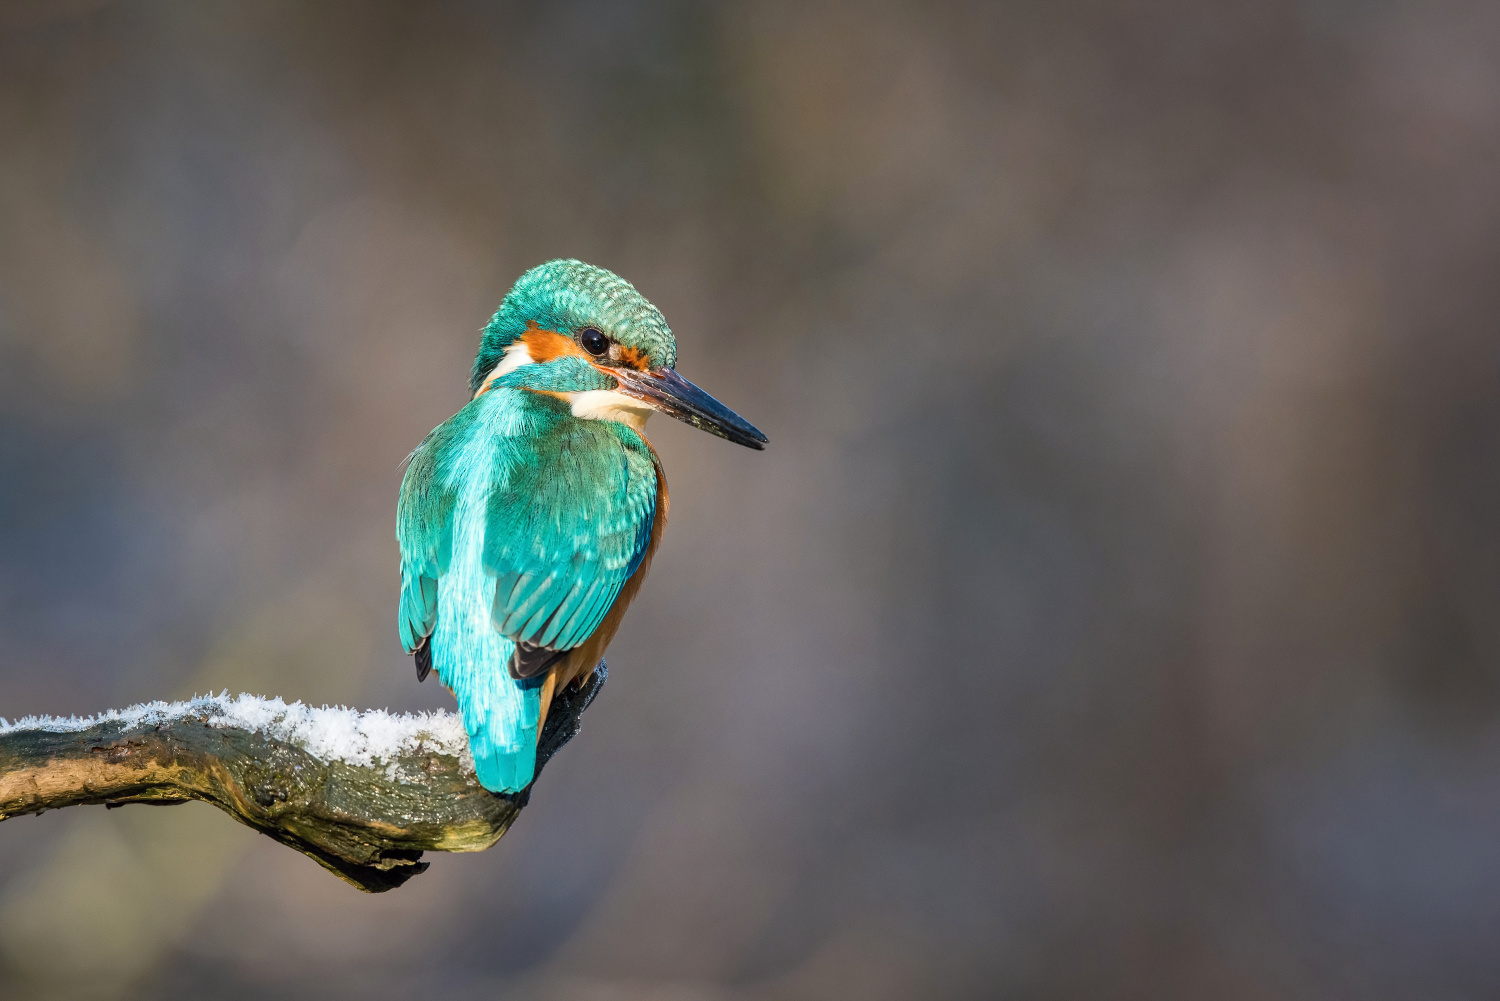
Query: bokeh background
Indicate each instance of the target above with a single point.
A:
(1113, 616)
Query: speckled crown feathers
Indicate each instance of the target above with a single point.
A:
(567, 295)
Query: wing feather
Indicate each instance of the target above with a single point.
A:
(424, 529)
(568, 530)
(567, 522)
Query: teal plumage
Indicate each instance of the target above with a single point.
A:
(528, 518)
(559, 295)
(518, 522)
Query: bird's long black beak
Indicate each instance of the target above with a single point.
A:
(670, 393)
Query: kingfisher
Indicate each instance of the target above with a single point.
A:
(527, 520)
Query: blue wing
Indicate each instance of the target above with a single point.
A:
(424, 530)
(572, 526)
(517, 523)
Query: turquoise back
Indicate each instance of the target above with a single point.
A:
(517, 521)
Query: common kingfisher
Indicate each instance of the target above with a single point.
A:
(527, 520)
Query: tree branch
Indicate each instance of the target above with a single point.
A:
(363, 794)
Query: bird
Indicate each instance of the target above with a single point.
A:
(527, 521)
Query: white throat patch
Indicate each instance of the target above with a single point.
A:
(609, 405)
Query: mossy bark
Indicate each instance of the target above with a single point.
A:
(368, 825)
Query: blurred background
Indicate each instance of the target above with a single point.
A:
(1113, 616)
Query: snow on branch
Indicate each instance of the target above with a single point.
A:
(363, 793)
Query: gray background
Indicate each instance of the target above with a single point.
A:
(1113, 614)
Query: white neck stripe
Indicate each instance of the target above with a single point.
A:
(516, 355)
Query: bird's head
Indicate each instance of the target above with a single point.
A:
(586, 335)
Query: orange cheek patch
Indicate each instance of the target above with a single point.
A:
(549, 345)
(635, 358)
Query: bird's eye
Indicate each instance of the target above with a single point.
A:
(593, 341)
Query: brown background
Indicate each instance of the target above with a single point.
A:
(1114, 614)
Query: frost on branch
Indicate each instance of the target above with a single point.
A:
(362, 793)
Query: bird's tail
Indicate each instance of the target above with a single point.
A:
(502, 716)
